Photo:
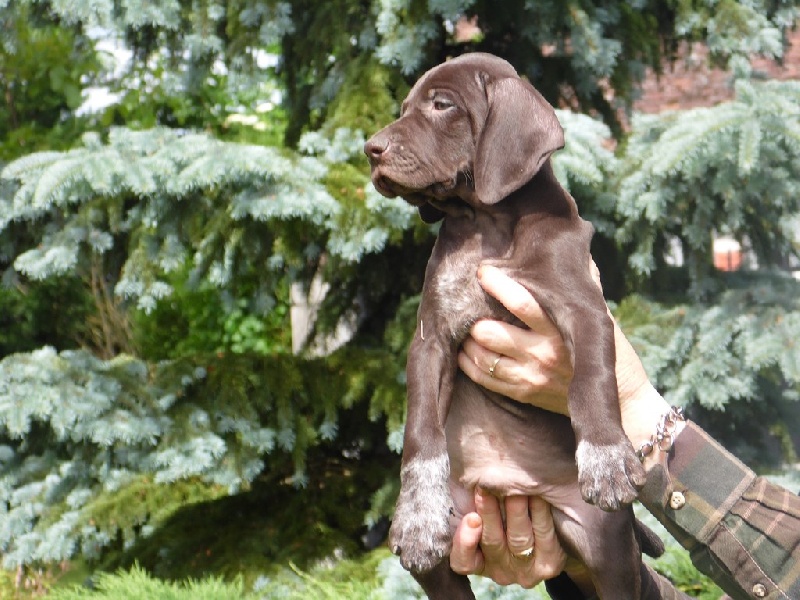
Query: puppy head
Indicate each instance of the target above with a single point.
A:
(470, 128)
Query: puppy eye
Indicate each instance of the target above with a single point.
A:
(442, 104)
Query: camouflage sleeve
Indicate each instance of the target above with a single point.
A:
(740, 529)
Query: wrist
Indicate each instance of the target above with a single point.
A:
(642, 414)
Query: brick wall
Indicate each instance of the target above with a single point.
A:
(689, 82)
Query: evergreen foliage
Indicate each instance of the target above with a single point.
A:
(737, 354)
(732, 169)
(89, 445)
(128, 423)
(44, 68)
(610, 44)
(164, 395)
(51, 312)
(572, 51)
(154, 192)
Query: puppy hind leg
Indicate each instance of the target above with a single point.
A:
(656, 587)
(649, 542)
(647, 585)
(604, 542)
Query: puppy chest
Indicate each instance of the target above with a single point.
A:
(452, 290)
(459, 298)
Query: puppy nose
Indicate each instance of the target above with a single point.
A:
(374, 148)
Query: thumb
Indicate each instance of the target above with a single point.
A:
(466, 557)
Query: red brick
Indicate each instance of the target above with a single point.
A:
(690, 82)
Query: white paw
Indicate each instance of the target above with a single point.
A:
(420, 534)
(609, 475)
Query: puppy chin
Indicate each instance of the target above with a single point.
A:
(384, 186)
(442, 191)
(415, 198)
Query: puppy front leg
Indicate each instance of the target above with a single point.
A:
(608, 471)
(421, 534)
(442, 583)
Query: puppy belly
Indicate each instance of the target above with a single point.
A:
(509, 449)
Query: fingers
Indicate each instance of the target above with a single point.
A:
(520, 529)
(497, 338)
(550, 557)
(513, 553)
(496, 539)
(466, 557)
(518, 348)
(521, 543)
(516, 299)
(477, 360)
(536, 371)
(503, 338)
(493, 536)
(493, 540)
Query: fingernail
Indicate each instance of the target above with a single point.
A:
(486, 269)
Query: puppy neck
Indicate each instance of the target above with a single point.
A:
(453, 207)
(542, 194)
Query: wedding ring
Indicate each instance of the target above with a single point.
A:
(494, 364)
(525, 554)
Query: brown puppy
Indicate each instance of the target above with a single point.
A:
(472, 147)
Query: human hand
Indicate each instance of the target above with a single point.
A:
(531, 365)
(484, 545)
(534, 365)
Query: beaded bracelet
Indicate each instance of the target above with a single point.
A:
(664, 436)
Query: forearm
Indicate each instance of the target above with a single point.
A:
(740, 530)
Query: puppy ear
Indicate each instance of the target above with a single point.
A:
(430, 214)
(520, 133)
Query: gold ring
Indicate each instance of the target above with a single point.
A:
(494, 364)
(525, 554)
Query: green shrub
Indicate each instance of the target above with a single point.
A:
(136, 584)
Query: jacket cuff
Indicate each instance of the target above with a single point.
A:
(694, 486)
